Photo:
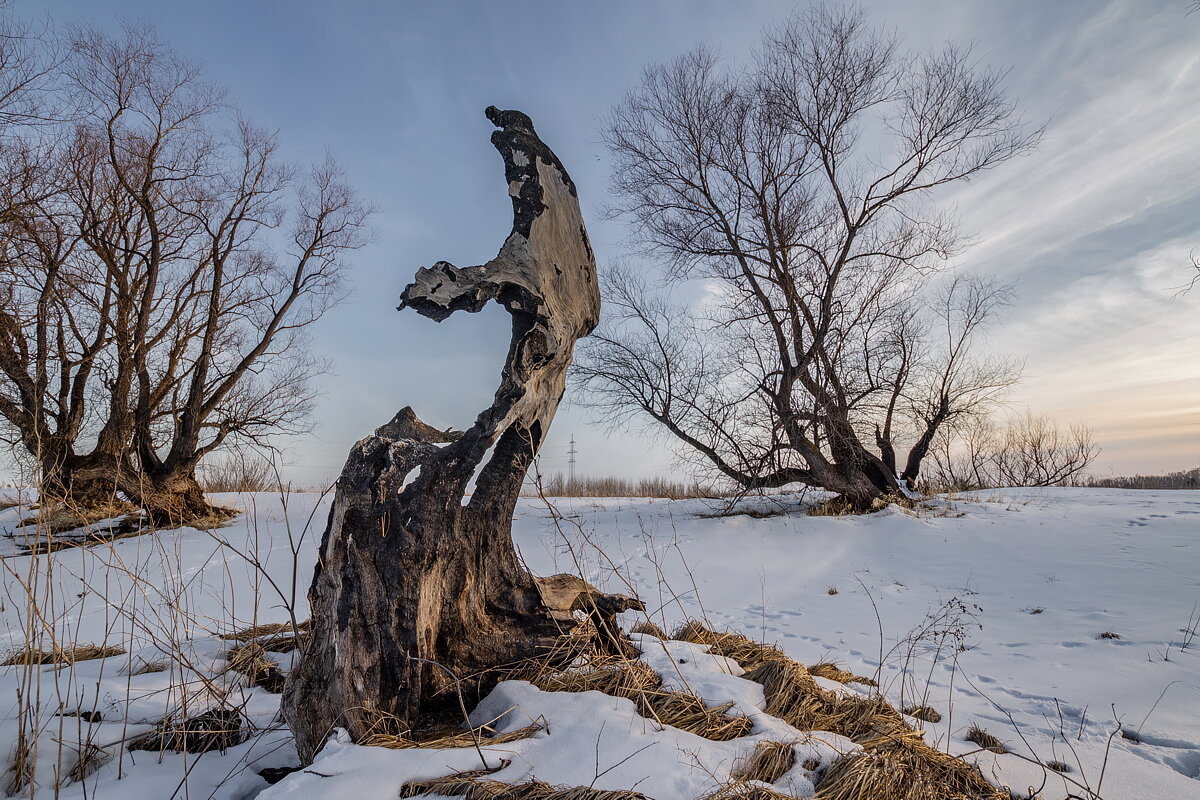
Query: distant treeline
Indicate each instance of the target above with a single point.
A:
(597, 486)
(1187, 479)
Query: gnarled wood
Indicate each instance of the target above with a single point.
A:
(408, 573)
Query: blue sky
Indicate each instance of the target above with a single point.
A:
(1095, 228)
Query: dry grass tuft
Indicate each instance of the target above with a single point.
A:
(61, 655)
(278, 637)
(445, 741)
(833, 507)
(786, 685)
(475, 786)
(1058, 766)
(831, 671)
(840, 507)
(747, 791)
(217, 729)
(21, 767)
(687, 712)
(616, 676)
(251, 659)
(985, 740)
(649, 628)
(793, 696)
(217, 517)
(767, 763)
(924, 713)
(147, 667)
(909, 770)
(745, 651)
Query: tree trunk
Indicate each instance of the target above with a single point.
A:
(861, 476)
(169, 497)
(412, 584)
(887, 452)
(78, 482)
(912, 466)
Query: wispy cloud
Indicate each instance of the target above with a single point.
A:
(1095, 229)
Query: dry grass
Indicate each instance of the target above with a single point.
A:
(217, 729)
(841, 507)
(61, 527)
(833, 507)
(894, 763)
(217, 517)
(905, 771)
(56, 518)
(475, 786)
(597, 486)
(90, 759)
(61, 655)
(831, 671)
(747, 791)
(278, 637)
(21, 767)
(767, 763)
(745, 651)
(238, 474)
(147, 667)
(636, 681)
(985, 740)
(251, 660)
(649, 628)
(923, 713)
(793, 696)
(385, 732)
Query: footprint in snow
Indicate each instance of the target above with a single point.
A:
(1187, 764)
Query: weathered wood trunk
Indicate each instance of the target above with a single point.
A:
(413, 581)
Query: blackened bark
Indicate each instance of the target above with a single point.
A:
(887, 452)
(409, 574)
(920, 449)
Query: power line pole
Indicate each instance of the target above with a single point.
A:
(571, 463)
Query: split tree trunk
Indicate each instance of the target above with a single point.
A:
(411, 581)
(169, 497)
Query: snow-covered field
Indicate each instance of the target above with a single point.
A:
(990, 609)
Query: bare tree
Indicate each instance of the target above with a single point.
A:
(175, 301)
(1031, 450)
(798, 190)
(1035, 451)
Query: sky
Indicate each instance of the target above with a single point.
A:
(1094, 229)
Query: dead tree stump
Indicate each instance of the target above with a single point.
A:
(412, 582)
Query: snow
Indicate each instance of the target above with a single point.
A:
(988, 608)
